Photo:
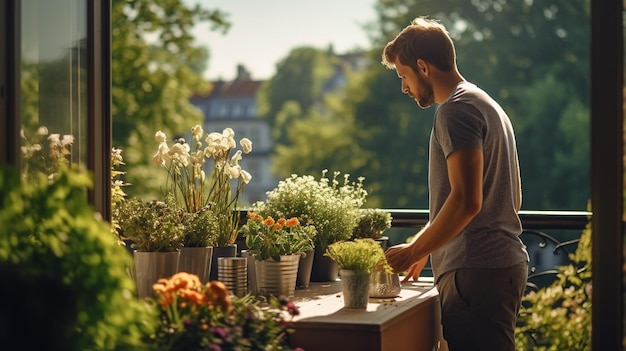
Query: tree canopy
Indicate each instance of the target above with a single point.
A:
(532, 57)
(156, 68)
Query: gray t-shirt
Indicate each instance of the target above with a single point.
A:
(470, 118)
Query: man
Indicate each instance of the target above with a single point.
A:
(479, 264)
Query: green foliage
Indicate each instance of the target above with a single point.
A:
(270, 239)
(299, 79)
(371, 223)
(153, 226)
(360, 255)
(156, 68)
(330, 207)
(201, 228)
(558, 317)
(532, 57)
(66, 282)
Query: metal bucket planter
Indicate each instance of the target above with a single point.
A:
(196, 260)
(152, 266)
(220, 251)
(277, 278)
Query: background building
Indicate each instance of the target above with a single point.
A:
(233, 105)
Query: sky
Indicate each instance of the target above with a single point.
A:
(263, 32)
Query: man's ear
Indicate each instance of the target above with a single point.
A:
(422, 66)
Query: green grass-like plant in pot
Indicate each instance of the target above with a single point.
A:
(359, 255)
(357, 259)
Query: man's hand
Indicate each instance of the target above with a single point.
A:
(415, 270)
(400, 258)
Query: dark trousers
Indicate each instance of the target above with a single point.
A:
(479, 307)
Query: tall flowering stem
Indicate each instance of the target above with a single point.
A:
(186, 176)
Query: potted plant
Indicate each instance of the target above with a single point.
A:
(193, 190)
(372, 222)
(357, 259)
(277, 246)
(155, 230)
(200, 229)
(332, 207)
(196, 316)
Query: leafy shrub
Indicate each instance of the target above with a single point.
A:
(558, 317)
(65, 280)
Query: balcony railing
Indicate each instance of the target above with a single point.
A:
(546, 250)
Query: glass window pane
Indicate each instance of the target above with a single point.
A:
(53, 75)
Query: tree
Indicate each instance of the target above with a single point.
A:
(533, 57)
(155, 70)
(299, 79)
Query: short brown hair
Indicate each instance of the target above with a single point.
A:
(424, 39)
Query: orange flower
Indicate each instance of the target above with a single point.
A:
(292, 222)
(219, 293)
(277, 227)
(282, 222)
(269, 221)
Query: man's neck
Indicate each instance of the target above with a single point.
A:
(446, 84)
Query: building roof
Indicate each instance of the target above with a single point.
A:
(242, 87)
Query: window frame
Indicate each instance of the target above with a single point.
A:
(98, 15)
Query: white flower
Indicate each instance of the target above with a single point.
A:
(234, 171)
(245, 176)
(160, 137)
(246, 144)
(228, 133)
(157, 160)
(54, 138)
(41, 131)
(236, 158)
(228, 136)
(67, 140)
(197, 132)
(163, 148)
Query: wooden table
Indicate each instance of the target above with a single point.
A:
(408, 322)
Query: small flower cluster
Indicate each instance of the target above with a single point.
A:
(332, 208)
(268, 238)
(206, 317)
(186, 177)
(45, 157)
